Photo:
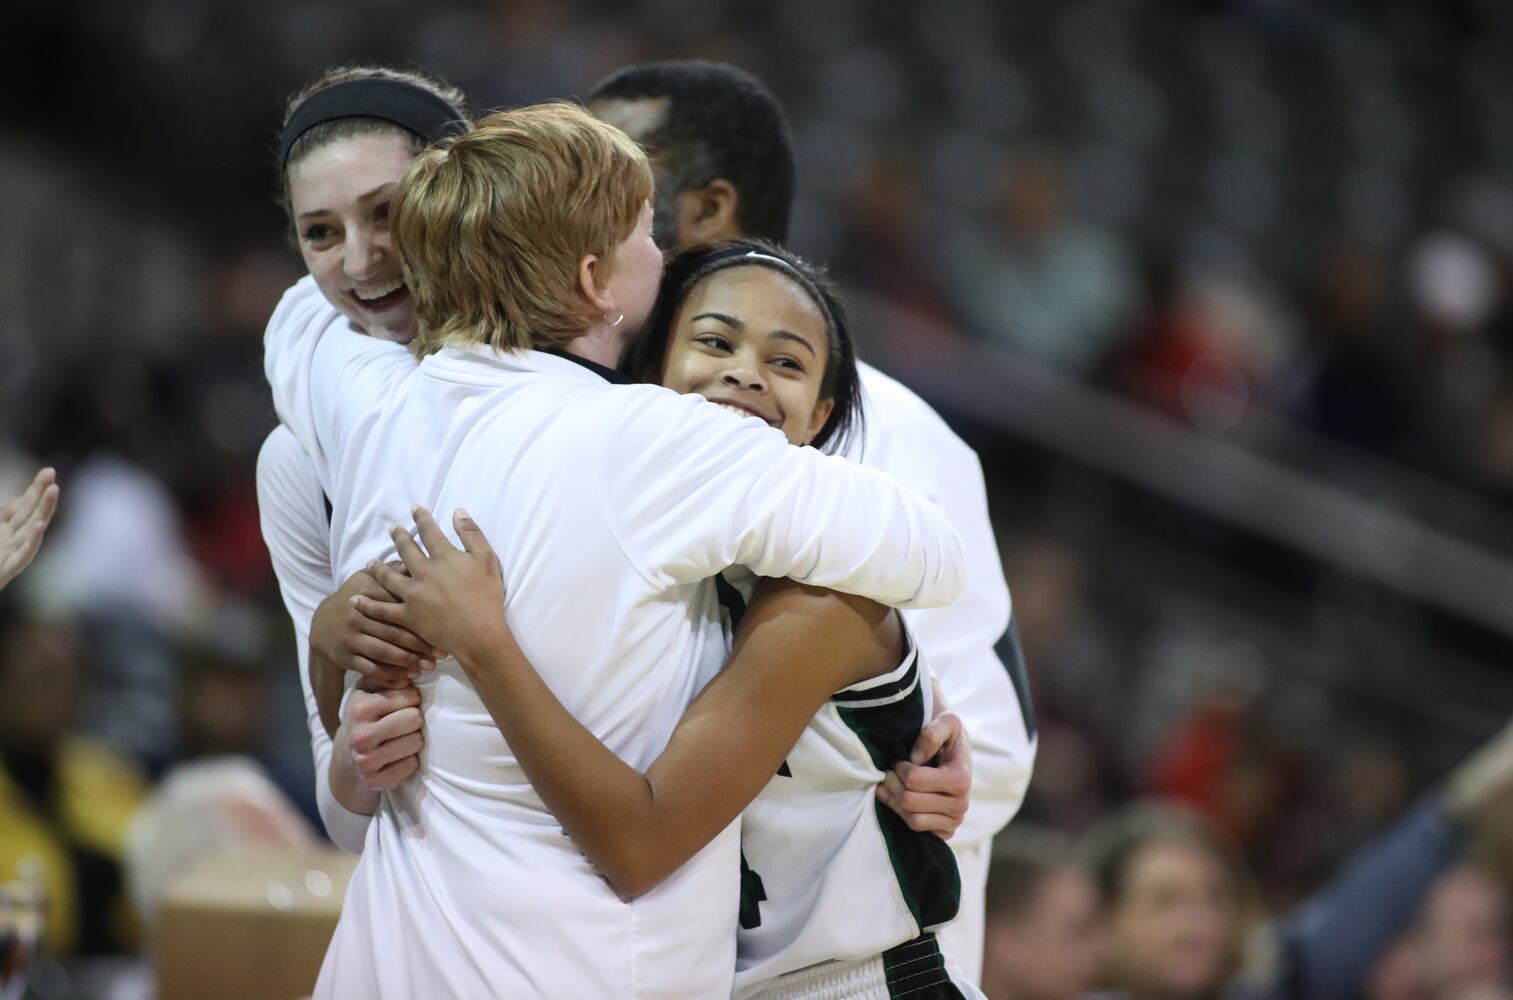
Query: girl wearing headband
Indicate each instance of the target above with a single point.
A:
(346, 140)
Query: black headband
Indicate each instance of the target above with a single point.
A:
(412, 108)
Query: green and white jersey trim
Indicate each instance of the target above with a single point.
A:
(831, 874)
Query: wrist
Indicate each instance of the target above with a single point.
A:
(479, 649)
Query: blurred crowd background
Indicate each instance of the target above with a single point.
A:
(1222, 292)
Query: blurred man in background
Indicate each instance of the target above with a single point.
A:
(722, 151)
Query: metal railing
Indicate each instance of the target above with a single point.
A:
(1368, 537)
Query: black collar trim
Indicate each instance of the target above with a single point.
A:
(611, 375)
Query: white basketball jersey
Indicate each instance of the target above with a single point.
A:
(829, 873)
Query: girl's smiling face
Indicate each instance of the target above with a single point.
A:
(340, 196)
(752, 340)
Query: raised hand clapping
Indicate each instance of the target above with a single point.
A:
(23, 522)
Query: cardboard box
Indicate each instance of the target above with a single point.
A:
(250, 925)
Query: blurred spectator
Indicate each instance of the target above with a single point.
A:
(1205, 349)
(1177, 901)
(226, 413)
(1224, 759)
(886, 238)
(65, 803)
(1169, 343)
(1356, 388)
(1045, 284)
(120, 550)
(226, 702)
(201, 809)
(223, 703)
(1459, 947)
(1074, 676)
(1071, 788)
(1044, 924)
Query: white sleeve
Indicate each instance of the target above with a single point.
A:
(691, 490)
(908, 440)
(293, 513)
(319, 369)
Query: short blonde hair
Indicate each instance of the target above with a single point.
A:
(491, 226)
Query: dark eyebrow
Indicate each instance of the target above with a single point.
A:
(365, 196)
(786, 335)
(729, 321)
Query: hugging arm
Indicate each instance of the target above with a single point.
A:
(704, 492)
(356, 759)
(797, 645)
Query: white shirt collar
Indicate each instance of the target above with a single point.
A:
(480, 362)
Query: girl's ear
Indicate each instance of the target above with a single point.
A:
(817, 419)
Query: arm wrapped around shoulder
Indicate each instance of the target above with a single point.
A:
(691, 489)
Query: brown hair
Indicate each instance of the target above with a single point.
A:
(345, 128)
(1023, 857)
(1111, 849)
(492, 225)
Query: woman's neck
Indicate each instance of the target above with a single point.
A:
(602, 344)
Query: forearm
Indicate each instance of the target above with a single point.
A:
(345, 815)
(737, 493)
(855, 531)
(1330, 942)
(726, 747)
(327, 686)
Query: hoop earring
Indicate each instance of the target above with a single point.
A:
(619, 318)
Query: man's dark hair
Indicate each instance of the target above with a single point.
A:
(721, 123)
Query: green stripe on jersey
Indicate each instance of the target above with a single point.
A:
(923, 863)
(916, 970)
